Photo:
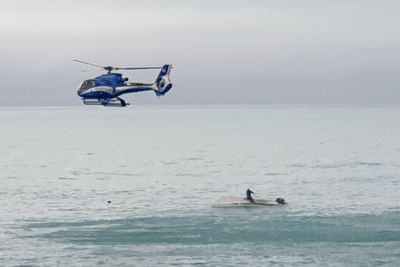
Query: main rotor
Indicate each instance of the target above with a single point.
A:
(111, 68)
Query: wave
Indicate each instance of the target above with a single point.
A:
(224, 227)
(337, 165)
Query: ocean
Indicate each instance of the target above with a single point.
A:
(135, 186)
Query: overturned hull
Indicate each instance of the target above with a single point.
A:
(232, 201)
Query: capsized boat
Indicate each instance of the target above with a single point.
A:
(232, 201)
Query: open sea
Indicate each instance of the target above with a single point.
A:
(95, 186)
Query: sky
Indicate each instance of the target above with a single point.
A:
(223, 52)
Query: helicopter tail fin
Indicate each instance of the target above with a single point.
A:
(163, 84)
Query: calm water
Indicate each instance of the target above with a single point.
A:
(162, 168)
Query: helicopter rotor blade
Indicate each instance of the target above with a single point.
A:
(110, 68)
(138, 68)
(83, 62)
(88, 70)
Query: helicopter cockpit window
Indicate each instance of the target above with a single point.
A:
(87, 84)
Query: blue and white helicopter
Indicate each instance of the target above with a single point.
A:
(106, 89)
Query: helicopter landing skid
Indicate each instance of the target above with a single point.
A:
(114, 102)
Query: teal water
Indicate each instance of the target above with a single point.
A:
(163, 168)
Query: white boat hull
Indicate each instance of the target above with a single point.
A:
(231, 201)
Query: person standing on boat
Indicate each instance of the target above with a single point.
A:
(248, 195)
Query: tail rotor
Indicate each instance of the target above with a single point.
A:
(163, 84)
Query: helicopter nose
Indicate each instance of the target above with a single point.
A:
(81, 92)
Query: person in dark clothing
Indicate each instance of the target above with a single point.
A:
(248, 195)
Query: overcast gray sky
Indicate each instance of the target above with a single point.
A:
(223, 52)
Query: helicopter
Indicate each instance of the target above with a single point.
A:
(106, 89)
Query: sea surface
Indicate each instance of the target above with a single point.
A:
(95, 186)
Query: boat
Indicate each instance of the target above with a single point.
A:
(233, 201)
